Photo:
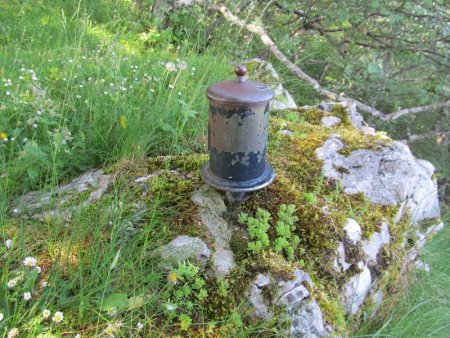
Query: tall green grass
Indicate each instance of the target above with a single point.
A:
(422, 308)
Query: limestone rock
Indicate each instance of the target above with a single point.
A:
(302, 311)
(36, 203)
(352, 231)
(256, 298)
(340, 264)
(421, 265)
(286, 132)
(330, 121)
(209, 198)
(307, 320)
(377, 299)
(182, 248)
(355, 290)
(293, 291)
(376, 242)
(211, 206)
(388, 176)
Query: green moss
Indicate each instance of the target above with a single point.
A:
(311, 115)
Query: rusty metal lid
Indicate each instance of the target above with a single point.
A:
(240, 91)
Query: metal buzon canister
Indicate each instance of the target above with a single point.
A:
(237, 136)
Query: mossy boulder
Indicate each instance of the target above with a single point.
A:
(358, 214)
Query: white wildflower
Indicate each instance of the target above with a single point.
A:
(27, 295)
(44, 284)
(35, 125)
(30, 261)
(1, 316)
(46, 313)
(182, 65)
(140, 326)
(171, 86)
(21, 77)
(11, 283)
(33, 77)
(8, 243)
(39, 112)
(111, 311)
(170, 66)
(13, 333)
(110, 330)
(8, 93)
(78, 96)
(58, 317)
(170, 307)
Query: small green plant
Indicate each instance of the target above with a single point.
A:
(285, 225)
(257, 229)
(185, 291)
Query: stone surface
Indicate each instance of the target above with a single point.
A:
(387, 176)
(330, 121)
(373, 246)
(352, 231)
(211, 206)
(355, 290)
(293, 291)
(340, 264)
(180, 249)
(302, 311)
(421, 265)
(377, 299)
(256, 298)
(286, 132)
(38, 203)
(307, 320)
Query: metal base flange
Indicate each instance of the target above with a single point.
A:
(237, 187)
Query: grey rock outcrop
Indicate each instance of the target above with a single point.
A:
(352, 231)
(211, 207)
(180, 249)
(330, 121)
(302, 311)
(373, 246)
(388, 176)
(356, 289)
(46, 205)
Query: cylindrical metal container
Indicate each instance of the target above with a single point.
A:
(237, 135)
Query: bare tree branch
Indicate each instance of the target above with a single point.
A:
(268, 42)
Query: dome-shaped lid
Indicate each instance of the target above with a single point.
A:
(240, 91)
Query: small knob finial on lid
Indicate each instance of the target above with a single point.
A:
(240, 71)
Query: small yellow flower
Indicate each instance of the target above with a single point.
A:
(172, 277)
(3, 135)
(123, 121)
